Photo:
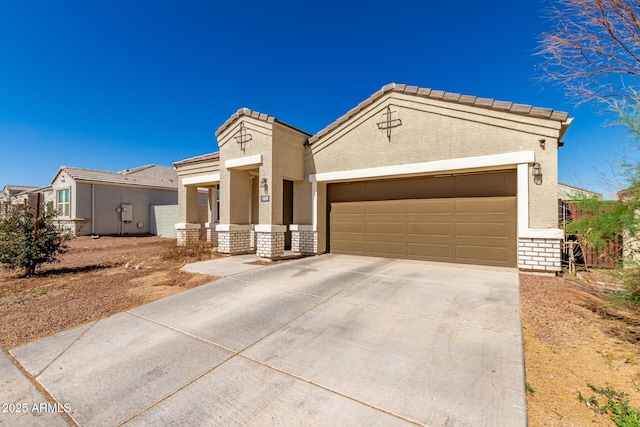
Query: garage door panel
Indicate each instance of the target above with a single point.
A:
(483, 205)
(385, 248)
(423, 230)
(348, 209)
(486, 230)
(385, 208)
(350, 247)
(385, 228)
(489, 185)
(494, 254)
(429, 251)
(349, 227)
(427, 207)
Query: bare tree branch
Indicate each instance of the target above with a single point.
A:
(593, 48)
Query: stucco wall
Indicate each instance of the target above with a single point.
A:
(110, 197)
(238, 188)
(162, 220)
(282, 151)
(436, 130)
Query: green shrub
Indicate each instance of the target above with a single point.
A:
(21, 247)
(617, 406)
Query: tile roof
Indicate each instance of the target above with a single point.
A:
(256, 115)
(18, 188)
(202, 158)
(147, 176)
(35, 190)
(521, 109)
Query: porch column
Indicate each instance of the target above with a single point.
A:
(212, 236)
(303, 239)
(270, 240)
(233, 239)
(188, 226)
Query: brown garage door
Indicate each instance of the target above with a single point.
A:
(475, 225)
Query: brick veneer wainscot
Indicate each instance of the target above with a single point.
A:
(539, 254)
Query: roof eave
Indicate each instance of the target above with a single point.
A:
(487, 103)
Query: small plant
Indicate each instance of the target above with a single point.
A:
(617, 406)
(1, 295)
(530, 389)
(36, 293)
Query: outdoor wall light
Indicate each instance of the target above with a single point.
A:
(536, 171)
(263, 182)
(542, 142)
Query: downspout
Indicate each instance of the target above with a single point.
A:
(93, 208)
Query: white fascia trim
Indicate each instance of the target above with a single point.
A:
(541, 233)
(301, 227)
(270, 228)
(461, 163)
(187, 226)
(523, 196)
(213, 178)
(233, 227)
(243, 162)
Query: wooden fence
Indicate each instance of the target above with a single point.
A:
(609, 257)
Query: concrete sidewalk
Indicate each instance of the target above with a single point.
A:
(327, 340)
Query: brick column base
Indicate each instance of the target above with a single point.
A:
(270, 240)
(252, 238)
(187, 233)
(233, 239)
(539, 254)
(303, 239)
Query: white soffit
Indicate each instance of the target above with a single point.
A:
(248, 162)
(213, 178)
(462, 163)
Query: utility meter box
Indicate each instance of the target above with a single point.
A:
(126, 213)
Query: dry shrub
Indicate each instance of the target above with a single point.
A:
(192, 251)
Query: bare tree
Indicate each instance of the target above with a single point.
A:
(593, 49)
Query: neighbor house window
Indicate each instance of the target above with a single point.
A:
(63, 203)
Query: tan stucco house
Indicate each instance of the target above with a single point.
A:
(91, 201)
(409, 173)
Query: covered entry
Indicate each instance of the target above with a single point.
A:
(468, 218)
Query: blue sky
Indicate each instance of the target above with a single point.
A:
(118, 84)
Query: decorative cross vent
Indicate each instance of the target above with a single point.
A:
(243, 137)
(388, 122)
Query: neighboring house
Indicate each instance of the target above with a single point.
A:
(10, 191)
(30, 196)
(569, 192)
(19, 194)
(408, 173)
(113, 203)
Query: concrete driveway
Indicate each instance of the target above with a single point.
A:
(327, 340)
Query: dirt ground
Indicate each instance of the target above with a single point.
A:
(572, 334)
(94, 279)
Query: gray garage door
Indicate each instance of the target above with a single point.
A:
(475, 224)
